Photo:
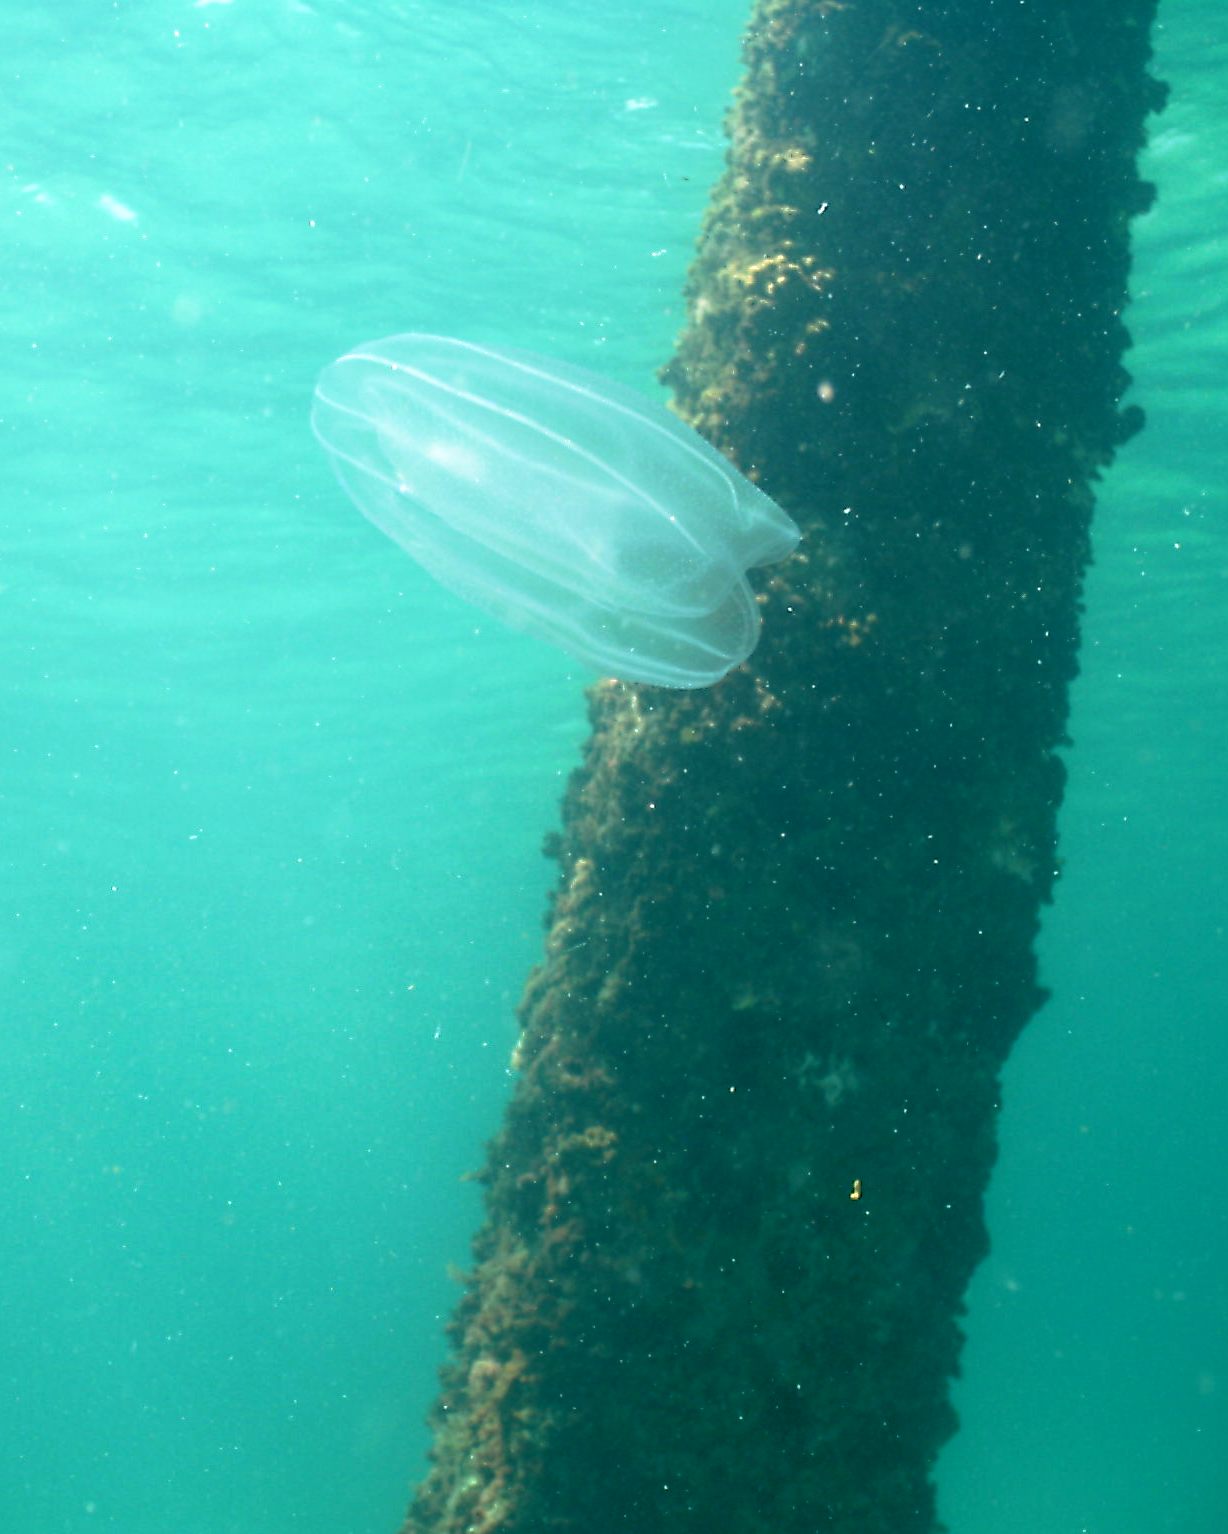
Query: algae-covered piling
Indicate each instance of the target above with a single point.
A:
(738, 1192)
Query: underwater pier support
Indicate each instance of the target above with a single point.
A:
(738, 1192)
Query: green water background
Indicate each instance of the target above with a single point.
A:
(271, 802)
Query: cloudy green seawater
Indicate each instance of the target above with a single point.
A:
(272, 801)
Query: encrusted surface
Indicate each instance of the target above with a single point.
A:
(738, 1193)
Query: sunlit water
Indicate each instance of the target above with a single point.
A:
(272, 801)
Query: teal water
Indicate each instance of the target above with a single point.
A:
(272, 802)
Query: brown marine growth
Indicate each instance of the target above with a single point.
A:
(737, 1196)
